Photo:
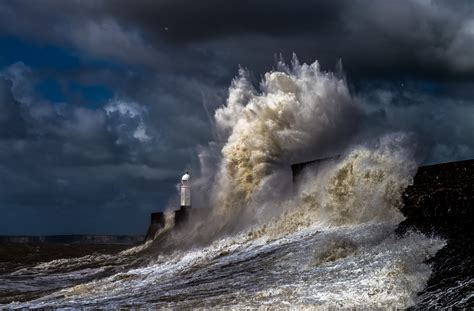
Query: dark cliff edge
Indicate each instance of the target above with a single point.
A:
(441, 202)
(441, 199)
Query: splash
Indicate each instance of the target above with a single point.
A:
(326, 241)
(299, 113)
(366, 185)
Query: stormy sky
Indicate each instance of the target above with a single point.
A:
(103, 104)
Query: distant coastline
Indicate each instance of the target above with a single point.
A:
(72, 239)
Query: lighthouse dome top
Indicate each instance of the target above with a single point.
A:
(185, 177)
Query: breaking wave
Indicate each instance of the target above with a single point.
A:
(325, 240)
(299, 113)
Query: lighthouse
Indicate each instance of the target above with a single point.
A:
(185, 191)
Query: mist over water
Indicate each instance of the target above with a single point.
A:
(326, 240)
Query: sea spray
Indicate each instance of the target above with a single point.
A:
(298, 113)
(326, 241)
(365, 184)
(301, 113)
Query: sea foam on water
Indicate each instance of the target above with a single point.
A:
(326, 241)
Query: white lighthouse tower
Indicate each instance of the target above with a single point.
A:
(185, 191)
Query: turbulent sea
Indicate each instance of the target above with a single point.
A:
(356, 266)
(324, 241)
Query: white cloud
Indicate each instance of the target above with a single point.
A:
(127, 120)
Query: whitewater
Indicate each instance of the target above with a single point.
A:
(324, 240)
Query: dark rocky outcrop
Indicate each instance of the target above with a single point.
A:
(441, 203)
(441, 199)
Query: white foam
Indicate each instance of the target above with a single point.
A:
(327, 242)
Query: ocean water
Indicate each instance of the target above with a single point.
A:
(365, 266)
(327, 240)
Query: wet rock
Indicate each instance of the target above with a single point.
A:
(441, 202)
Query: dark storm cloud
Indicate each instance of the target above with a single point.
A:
(71, 161)
(443, 124)
(426, 38)
(181, 21)
(68, 160)
(12, 124)
(435, 36)
(167, 65)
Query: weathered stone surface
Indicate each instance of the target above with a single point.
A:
(441, 199)
(157, 223)
(441, 203)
